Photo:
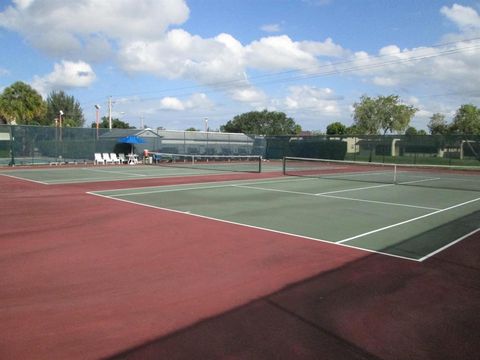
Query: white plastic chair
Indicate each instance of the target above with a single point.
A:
(98, 159)
(106, 157)
(122, 158)
(114, 158)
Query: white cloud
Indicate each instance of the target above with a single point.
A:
(385, 81)
(448, 68)
(69, 26)
(278, 53)
(271, 28)
(181, 55)
(136, 34)
(199, 101)
(463, 16)
(313, 99)
(65, 75)
(248, 94)
(4, 72)
(23, 4)
(326, 48)
(317, 2)
(171, 103)
(196, 101)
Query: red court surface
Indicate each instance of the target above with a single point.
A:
(84, 277)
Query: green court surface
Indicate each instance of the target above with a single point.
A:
(403, 221)
(67, 175)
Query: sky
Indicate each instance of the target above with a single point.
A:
(178, 64)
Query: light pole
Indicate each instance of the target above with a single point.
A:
(110, 103)
(97, 108)
(60, 114)
(206, 130)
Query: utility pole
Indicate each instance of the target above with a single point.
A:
(97, 120)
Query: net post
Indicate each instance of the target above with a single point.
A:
(284, 165)
(395, 173)
(260, 164)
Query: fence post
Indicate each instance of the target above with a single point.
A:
(12, 154)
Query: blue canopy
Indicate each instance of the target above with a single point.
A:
(132, 139)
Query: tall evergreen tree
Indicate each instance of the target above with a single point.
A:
(59, 101)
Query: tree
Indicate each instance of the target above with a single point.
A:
(382, 113)
(116, 124)
(438, 125)
(192, 129)
(353, 130)
(262, 123)
(336, 128)
(60, 101)
(21, 104)
(411, 131)
(467, 120)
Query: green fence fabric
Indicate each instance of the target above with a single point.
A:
(26, 145)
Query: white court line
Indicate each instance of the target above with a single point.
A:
(188, 213)
(338, 197)
(25, 179)
(165, 190)
(86, 180)
(407, 221)
(380, 202)
(417, 181)
(448, 245)
(354, 189)
(274, 190)
(90, 179)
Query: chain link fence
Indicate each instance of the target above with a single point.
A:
(28, 145)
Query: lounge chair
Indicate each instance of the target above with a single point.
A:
(98, 159)
(114, 158)
(106, 157)
(122, 158)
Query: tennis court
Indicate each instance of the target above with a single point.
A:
(405, 221)
(85, 174)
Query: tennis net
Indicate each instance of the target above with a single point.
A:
(434, 176)
(232, 163)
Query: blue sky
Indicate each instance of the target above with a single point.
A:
(173, 63)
